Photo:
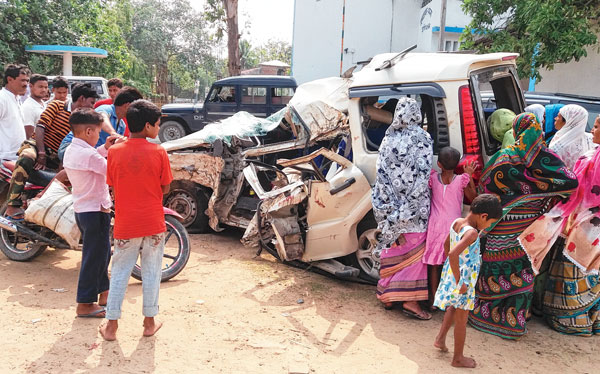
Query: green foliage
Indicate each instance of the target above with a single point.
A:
(81, 22)
(162, 47)
(560, 30)
(271, 50)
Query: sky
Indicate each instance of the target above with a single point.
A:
(269, 19)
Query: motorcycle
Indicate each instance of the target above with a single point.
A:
(23, 241)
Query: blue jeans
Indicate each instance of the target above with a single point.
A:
(95, 256)
(125, 256)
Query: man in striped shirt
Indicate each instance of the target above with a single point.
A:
(41, 151)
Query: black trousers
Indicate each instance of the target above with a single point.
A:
(93, 275)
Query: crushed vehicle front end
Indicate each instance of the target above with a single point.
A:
(286, 180)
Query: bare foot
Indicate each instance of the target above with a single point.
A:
(109, 330)
(463, 362)
(151, 326)
(440, 344)
(103, 298)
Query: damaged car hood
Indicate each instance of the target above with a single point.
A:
(316, 110)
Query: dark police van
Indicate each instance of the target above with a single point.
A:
(261, 95)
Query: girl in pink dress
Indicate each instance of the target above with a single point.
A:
(447, 191)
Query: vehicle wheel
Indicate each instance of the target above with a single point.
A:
(171, 130)
(190, 202)
(17, 247)
(176, 252)
(368, 262)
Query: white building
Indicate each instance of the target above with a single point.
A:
(368, 28)
(378, 26)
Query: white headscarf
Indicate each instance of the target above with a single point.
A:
(571, 141)
(538, 110)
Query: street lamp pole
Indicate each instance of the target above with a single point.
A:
(442, 26)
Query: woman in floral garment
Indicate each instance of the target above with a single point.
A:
(401, 200)
(569, 236)
(528, 178)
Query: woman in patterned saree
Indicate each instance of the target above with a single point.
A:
(401, 205)
(528, 178)
(569, 236)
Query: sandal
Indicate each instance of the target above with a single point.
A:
(98, 313)
(424, 316)
(17, 217)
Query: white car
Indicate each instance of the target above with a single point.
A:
(309, 204)
(98, 83)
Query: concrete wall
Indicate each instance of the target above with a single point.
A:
(580, 78)
(371, 27)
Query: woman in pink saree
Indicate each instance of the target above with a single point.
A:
(401, 201)
(570, 236)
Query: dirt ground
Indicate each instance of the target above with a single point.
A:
(229, 312)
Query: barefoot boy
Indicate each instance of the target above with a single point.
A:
(86, 169)
(456, 292)
(140, 174)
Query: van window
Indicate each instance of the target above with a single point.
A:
(495, 88)
(377, 113)
(281, 95)
(254, 95)
(96, 85)
(222, 94)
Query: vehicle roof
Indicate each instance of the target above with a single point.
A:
(564, 96)
(427, 67)
(273, 80)
(77, 77)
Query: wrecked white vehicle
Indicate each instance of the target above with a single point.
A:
(300, 181)
(228, 171)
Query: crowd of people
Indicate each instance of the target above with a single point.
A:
(93, 145)
(529, 245)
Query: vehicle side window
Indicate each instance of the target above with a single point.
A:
(96, 85)
(378, 111)
(222, 94)
(254, 95)
(281, 95)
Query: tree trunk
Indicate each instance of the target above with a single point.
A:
(233, 37)
(161, 80)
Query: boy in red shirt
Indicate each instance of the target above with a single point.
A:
(140, 173)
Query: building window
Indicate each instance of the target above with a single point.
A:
(451, 45)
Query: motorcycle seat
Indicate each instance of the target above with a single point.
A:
(10, 165)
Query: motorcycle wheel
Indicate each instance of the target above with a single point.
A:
(176, 254)
(18, 247)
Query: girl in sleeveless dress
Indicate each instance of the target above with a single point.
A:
(456, 293)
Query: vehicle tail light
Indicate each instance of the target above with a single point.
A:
(508, 58)
(470, 132)
(468, 122)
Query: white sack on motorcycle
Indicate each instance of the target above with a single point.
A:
(54, 210)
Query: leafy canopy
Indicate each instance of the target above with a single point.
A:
(544, 32)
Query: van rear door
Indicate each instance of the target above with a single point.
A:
(494, 88)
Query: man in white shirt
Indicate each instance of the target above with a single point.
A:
(12, 130)
(34, 105)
